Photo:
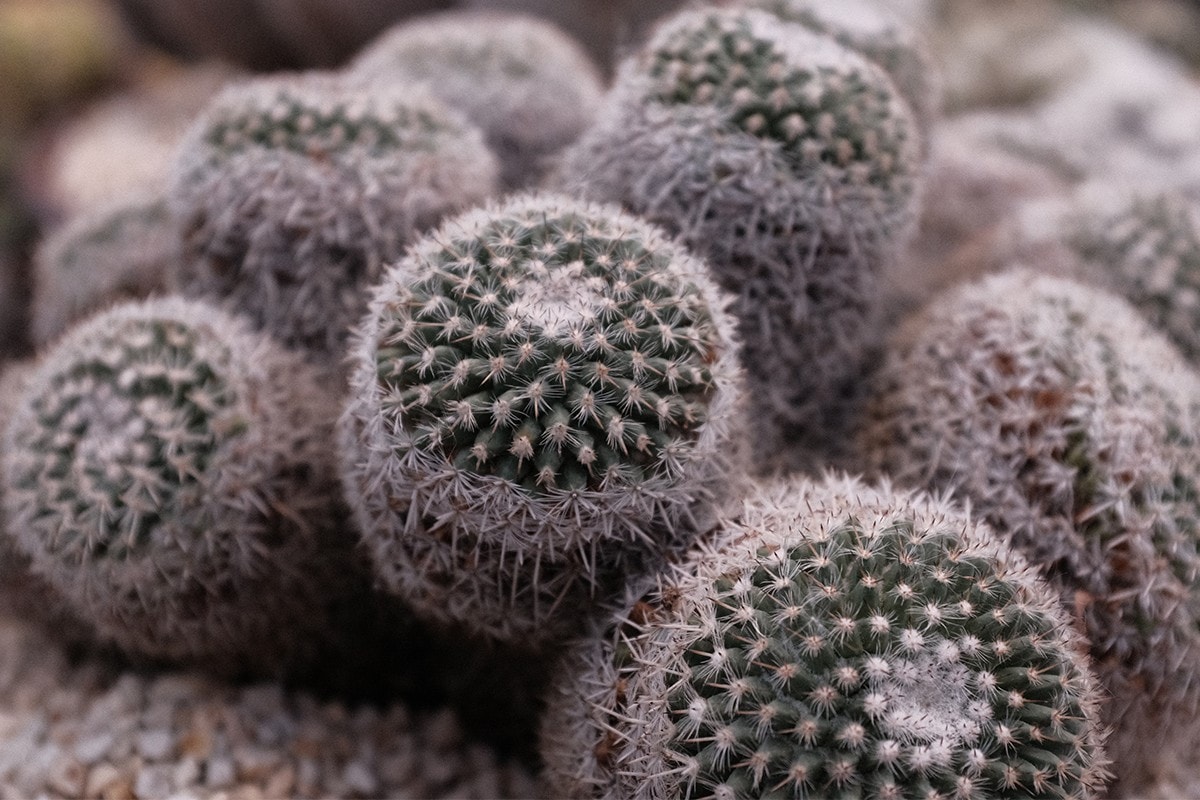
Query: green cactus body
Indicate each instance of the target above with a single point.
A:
(542, 378)
(1148, 251)
(163, 471)
(527, 85)
(118, 253)
(869, 27)
(1071, 427)
(792, 165)
(835, 641)
(291, 193)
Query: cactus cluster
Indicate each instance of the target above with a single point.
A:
(835, 640)
(1071, 427)
(529, 88)
(164, 471)
(792, 165)
(541, 388)
(117, 253)
(291, 193)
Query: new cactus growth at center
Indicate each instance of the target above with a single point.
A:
(541, 386)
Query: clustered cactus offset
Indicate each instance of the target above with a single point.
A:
(542, 387)
(291, 193)
(836, 640)
(529, 87)
(792, 165)
(166, 470)
(1071, 427)
(116, 253)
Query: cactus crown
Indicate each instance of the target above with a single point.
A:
(122, 430)
(786, 84)
(559, 345)
(894, 659)
(320, 118)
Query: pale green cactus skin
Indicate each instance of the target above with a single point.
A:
(528, 86)
(165, 470)
(836, 640)
(792, 165)
(291, 193)
(546, 387)
(1071, 426)
(116, 253)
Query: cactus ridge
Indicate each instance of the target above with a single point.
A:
(556, 352)
(787, 86)
(837, 641)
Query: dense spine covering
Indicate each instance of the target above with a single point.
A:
(543, 390)
(871, 28)
(291, 193)
(1071, 427)
(114, 254)
(167, 471)
(530, 88)
(836, 640)
(792, 165)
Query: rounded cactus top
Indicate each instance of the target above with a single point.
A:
(322, 117)
(1149, 251)
(836, 640)
(554, 344)
(825, 106)
(529, 86)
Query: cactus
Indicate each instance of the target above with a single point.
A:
(540, 386)
(791, 164)
(292, 192)
(836, 640)
(528, 86)
(873, 29)
(117, 253)
(1071, 427)
(165, 470)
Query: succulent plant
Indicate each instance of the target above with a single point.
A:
(1071, 427)
(166, 471)
(792, 165)
(117, 253)
(541, 387)
(834, 640)
(873, 28)
(292, 192)
(528, 86)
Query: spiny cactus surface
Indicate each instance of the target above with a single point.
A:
(792, 165)
(117, 253)
(527, 85)
(542, 376)
(1071, 426)
(164, 471)
(873, 29)
(292, 192)
(836, 640)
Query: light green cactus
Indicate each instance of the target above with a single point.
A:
(542, 385)
(836, 640)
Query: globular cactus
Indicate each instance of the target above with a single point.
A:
(166, 470)
(836, 640)
(544, 391)
(292, 192)
(1071, 427)
(530, 88)
(117, 253)
(874, 29)
(792, 165)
